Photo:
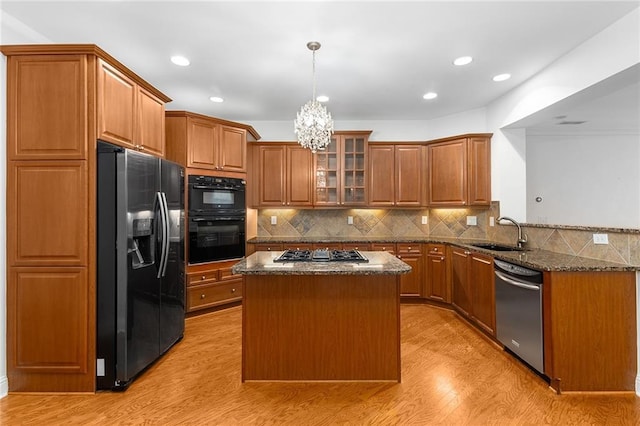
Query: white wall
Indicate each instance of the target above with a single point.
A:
(584, 180)
(611, 51)
(473, 121)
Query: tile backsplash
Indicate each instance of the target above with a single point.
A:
(623, 247)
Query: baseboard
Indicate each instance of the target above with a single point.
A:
(4, 386)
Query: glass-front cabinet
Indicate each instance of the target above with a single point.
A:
(340, 170)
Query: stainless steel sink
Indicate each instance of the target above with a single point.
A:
(496, 247)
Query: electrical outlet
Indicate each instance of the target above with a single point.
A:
(492, 221)
(600, 238)
(472, 220)
(425, 220)
(274, 220)
(349, 220)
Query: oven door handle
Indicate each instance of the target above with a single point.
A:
(516, 283)
(224, 218)
(232, 188)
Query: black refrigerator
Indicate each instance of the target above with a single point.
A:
(140, 262)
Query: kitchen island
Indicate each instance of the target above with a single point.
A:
(328, 321)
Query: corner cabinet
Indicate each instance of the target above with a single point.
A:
(395, 175)
(207, 143)
(459, 171)
(340, 171)
(60, 100)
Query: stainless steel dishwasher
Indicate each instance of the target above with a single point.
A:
(519, 312)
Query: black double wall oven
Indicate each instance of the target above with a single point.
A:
(217, 216)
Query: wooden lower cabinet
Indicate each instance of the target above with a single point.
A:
(590, 330)
(437, 285)
(483, 295)
(472, 286)
(211, 285)
(411, 284)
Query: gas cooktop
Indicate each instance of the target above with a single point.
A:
(321, 255)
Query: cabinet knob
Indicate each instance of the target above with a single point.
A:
(467, 252)
(233, 290)
(442, 258)
(141, 147)
(409, 248)
(204, 277)
(202, 296)
(435, 249)
(268, 248)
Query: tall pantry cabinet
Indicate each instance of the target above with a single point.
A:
(60, 100)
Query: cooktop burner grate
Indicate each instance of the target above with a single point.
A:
(321, 255)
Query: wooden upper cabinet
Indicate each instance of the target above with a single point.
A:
(270, 178)
(47, 101)
(340, 170)
(128, 114)
(299, 176)
(202, 137)
(479, 171)
(207, 143)
(448, 173)
(408, 175)
(382, 190)
(459, 171)
(232, 149)
(284, 175)
(116, 106)
(152, 128)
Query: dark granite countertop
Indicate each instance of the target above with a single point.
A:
(538, 259)
(380, 263)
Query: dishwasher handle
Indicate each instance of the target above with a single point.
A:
(520, 284)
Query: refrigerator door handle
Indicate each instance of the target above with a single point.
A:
(163, 230)
(166, 237)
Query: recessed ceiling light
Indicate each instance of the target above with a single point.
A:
(502, 77)
(463, 60)
(430, 95)
(216, 99)
(322, 98)
(180, 60)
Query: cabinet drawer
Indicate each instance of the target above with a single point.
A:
(409, 248)
(297, 246)
(208, 295)
(356, 246)
(206, 277)
(390, 247)
(268, 247)
(436, 249)
(226, 274)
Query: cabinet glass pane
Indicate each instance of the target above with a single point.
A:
(359, 178)
(332, 162)
(360, 145)
(348, 162)
(348, 145)
(360, 161)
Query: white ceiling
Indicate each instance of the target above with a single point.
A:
(377, 58)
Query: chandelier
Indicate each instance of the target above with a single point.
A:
(313, 124)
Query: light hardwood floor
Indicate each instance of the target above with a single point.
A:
(450, 375)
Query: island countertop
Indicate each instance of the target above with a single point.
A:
(380, 263)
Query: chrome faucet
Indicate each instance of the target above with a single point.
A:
(522, 238)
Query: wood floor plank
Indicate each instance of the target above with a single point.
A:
(451, 375)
